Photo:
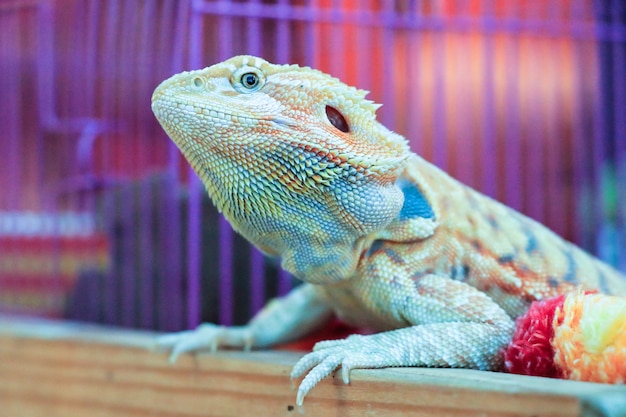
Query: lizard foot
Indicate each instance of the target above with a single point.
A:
(206, 337)
(354, 352)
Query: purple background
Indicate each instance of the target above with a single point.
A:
(523, 100)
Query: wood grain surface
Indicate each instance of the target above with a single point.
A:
(70, 370)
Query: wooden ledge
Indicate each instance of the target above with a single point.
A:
(68, 369)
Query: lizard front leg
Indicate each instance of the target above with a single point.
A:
(454, 325)
(282, 320)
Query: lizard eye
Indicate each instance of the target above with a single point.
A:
(247, 79)
(336, 119)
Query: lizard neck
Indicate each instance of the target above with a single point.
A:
(308, 232)
(320, 258)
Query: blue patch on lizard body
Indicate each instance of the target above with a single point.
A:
(415, 204)
(572, 268)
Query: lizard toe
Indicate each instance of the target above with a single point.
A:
(318, 372)
(205, 337)
(352, 362)
(350, 353)
(306, 363)
(328, 344)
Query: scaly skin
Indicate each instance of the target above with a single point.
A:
(298, 164)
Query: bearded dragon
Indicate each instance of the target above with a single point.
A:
(298, 164)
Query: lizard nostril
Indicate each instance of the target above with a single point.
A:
(198, 82)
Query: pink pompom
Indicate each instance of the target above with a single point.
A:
(530, 352)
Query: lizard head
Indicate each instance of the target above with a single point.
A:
(293, 157)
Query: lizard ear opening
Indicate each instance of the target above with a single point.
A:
(417, 219)
(336, 119)
(415, 204)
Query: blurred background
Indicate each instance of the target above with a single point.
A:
(101, 219)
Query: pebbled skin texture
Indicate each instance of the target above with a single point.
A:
(298, 164)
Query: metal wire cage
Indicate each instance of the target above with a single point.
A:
(101, 220)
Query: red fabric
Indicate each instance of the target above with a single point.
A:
(335, 329)
(530, 352)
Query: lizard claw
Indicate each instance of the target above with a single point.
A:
(319, 367)
(350, 353)
(206, 337)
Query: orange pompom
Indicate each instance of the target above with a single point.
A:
(581, 336)
(590, 338)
